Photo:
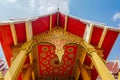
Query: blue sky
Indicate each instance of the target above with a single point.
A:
(103, 11)
(96, 10)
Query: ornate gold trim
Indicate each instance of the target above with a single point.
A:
(59, 38)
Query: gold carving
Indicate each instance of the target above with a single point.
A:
(58, 33)
(45, 62)
(70, 49)
(43, 68)
(59, 53)
(71, 55)
(44, 49)
(58, 37)
(27, 46)
(88, 48)
(43, 54)
(68, 62)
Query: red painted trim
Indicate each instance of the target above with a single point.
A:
(41, 25)
(109, 41)
(61, 20)
(96, 35)
(54, 20)
(76, 26)
(20, 32)
(6, 41)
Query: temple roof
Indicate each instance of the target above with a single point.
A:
(113, 67)
(18, 31)
(3, 67)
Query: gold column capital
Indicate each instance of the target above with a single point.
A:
(89, 48)
(27, 46)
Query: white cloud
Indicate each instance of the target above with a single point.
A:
(48, 6)
(12, 1)
(30, 8)
(32, 4)
(2, 2)
(116, 16)
(64, 6)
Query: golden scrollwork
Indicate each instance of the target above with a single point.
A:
(27, 46)
(58, 37)
(88, 48)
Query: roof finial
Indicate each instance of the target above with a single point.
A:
(117, 58)
(118, 61)
(58, 9)
(58, 6)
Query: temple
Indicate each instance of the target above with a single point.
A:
(56, 47)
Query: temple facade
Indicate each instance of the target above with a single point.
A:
(114, 68)
(56, 47)
(3, 68)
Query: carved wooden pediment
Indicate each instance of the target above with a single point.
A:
(58, 37)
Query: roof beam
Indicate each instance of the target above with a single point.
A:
(84, 74)
(77, 74)
(50, 21)
(102, 37)
(66, 20)
(82, 57)
(88, 32)
(29, 33)
(28, 73)
(31, 56)
(12, 27)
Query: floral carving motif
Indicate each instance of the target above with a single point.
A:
(59, 38)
